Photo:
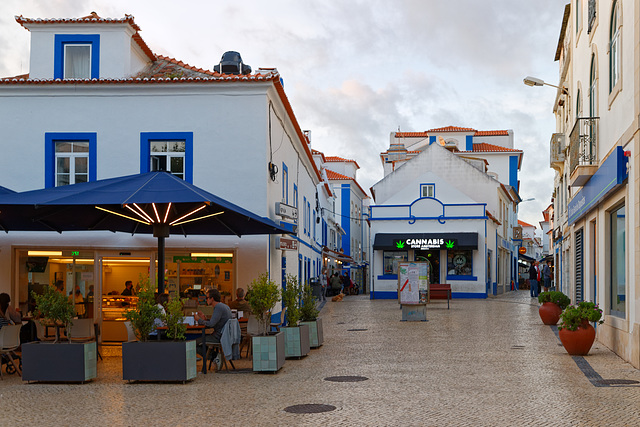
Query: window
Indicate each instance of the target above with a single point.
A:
(428, 190)
(593, 106)
(592, 15)
(309, 219)
(285, 185)
(459, 263)
(168, 156)
(304, 214)
(76, 56)
(618, 270)
(614, 45)
(167, 151)
(578, 15)
(70, 158)
(392, 259)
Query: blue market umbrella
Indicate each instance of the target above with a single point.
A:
(5, 190)
(155, 203)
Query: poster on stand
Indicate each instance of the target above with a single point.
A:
(413, 277)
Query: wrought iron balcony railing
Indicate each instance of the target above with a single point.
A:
(583, 140)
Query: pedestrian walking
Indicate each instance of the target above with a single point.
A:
(533, 280)
(546, 275)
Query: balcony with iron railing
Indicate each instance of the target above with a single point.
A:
(583, 150)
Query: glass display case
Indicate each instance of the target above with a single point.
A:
(114, 308)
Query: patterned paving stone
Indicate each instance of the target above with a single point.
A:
(482, 363)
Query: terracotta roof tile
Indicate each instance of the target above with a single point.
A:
(411, 134)
(483, 147)
(340, 159)
(492, 133)
(331, 175)
(451, 129)
(524, 224)
(92, 18)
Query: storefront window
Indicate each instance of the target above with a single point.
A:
(459, 263)
(618, 273)
(391, 260)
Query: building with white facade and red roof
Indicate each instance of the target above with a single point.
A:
(449, 197)
(99, 103)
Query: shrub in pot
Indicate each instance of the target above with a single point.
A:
(155, 360)
(575, 332)
(263, 296)
(296, 337)
(75, 361)
(553, 302)
(309, 316)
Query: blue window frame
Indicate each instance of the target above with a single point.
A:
(308, 219)
(304, 215)
(295, 200)
(62, 40)
(50, 140)
(146, 140)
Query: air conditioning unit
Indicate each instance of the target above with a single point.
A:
(517, 232)
(557, 150)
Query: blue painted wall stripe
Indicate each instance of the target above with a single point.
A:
(345, 220)
(513, 171)
(469, 141)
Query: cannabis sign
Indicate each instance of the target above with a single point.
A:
(432, 243)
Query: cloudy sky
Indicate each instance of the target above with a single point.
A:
(356, 70)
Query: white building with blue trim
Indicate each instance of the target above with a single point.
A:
(442, 201)
(98, 103)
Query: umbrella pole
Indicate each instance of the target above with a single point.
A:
(161, 231)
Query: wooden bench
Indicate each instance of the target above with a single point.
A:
(439, 291)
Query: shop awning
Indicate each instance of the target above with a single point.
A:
(338, 256)
(425, 241)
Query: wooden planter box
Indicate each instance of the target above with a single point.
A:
(60, 362)
(159, 360)
(316, 336)
(268, 352)
(296, 341)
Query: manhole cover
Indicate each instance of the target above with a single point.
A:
(309, 408)
(356, 330)
(346, 379)
(618, 382)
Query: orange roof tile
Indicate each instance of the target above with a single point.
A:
(492, 133)
(452, 129)
(483, 147)
(340, 159)
(524, 224)
(332, 175)
(411, 134)
(92, 18)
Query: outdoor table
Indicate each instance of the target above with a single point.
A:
(193, 328)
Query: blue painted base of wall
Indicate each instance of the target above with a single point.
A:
(454, 295)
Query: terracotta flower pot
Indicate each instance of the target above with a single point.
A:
(550, 313)
(578, 342)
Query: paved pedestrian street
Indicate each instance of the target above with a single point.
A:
(481, 363)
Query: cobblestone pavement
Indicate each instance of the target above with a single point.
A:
(481, 363)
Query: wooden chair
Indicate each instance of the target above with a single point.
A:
(277, 325)
(252, 330)
(83, 330)
(9, 343)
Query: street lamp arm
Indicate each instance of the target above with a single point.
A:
(534, 81)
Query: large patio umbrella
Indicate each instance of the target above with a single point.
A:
(5, 190)
(153, 202)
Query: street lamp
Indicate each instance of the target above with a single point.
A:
(533, 81)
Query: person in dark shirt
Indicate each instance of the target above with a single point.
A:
(128, 289)
(221, 315)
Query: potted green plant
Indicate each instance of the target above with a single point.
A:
(553, 302)
(153, 359)
(296, 337)
(309, 316)
(268, 348)
(575, 332)
(75, 361)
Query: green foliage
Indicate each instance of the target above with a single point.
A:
(291, 300)
(263, 296)
(575, 315)
(174, 319)
(54, 307)
(556, 297)
(143, 317)
(308, 310)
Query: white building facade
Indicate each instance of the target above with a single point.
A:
(595, 155)
(441, 202)
(98, 103)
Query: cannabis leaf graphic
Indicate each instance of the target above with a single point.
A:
(449, 244)
(400, 245)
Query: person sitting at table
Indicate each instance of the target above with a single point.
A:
(78, 301)
(221, 315)
(128, 289)
(161, 302)
(8, 314)
(240, 303)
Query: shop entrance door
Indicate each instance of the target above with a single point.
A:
(433, 258)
